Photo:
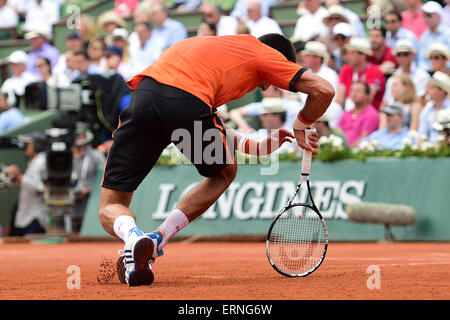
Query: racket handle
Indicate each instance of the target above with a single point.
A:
(307, 155)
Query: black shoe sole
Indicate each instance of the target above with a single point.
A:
(120, 268)
(143, 252)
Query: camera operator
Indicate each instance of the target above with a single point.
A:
(31, 215)
(86, 160)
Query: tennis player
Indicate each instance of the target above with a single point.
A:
(180, 93)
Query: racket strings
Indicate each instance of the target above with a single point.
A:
(297, 241)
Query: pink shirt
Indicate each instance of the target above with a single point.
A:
(354, 125)
(415, 23)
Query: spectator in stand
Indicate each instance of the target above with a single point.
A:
(438, 56)
(19, 7)
(341, 36)
(207, 29)
(96, 52)
(88, 29)
(442, 125)
(405, 53)
(186, 5)
(73, 43)
(437, 91)
(146, 49)
(120, 40)
(323, 129)
(359, 68)
(53, 81)
(392, 136)
(40, 47)
(363, 119)
(114, 62)
(438, 32)
(41, 15)
(226, 25)
(238, 115)
(382, 55)
(20, 76)
(125, 8)
(240, 8)
(10, 116)
(315, 56)
(310, 25)
(31, 215)
(413, 18)
(299, 46)
(107, 22)
(257, 23)
(167, 31)
(395, 31)
(336, 15)
(357, 26)
(83, 64)
(8, 17)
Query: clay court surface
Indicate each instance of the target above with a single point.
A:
(225, 271)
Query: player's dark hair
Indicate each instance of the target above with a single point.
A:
(279, 43)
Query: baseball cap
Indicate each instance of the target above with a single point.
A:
(73, 35)
(37, 32)
(272, 105)
(18, 56)
(115, 50)
(342, 28)
(442, 80)
(360, 44)
(393, 109)
(120, 33)
(336, 11)
(404, 45)
(432, 7)
(316, 48)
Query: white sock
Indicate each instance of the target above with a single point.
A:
(176, 221)
(123, 225)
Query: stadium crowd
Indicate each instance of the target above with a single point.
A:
(391, 78)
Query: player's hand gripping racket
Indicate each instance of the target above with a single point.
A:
(297, 239)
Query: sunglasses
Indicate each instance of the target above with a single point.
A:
(392, 21)
(403, 54)
(438, 57)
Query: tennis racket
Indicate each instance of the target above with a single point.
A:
(297, 239)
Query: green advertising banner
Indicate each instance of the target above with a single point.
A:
(260, 191)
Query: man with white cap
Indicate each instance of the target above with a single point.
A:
(393, 135)
(438, 32)
(438, 56)
(360, 69)
(315, 56)
(40, 48)
(437, 91)
(442, 125)
(405, 53)
(341, 35)
(357, 26)
(20, 77)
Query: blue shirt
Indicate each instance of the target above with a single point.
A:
(170, 32)
(388, 140)
(46, 51)
(442, 35)
(427, 117)
(403, 33)
(11, 118)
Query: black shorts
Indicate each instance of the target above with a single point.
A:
(159, 114)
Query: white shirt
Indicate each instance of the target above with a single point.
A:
(227, 25)
(18, 84)
(8, 17)
(41, 17)
(311, 24)
(31, 199)
(263, 26)
(418, 76)
(141, 58)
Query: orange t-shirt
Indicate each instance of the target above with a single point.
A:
(217, 69)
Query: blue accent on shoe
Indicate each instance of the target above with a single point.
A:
(137, 231)
(156, 235)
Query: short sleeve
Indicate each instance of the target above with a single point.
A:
(277, 70)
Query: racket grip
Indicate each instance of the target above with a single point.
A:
(307, 155)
